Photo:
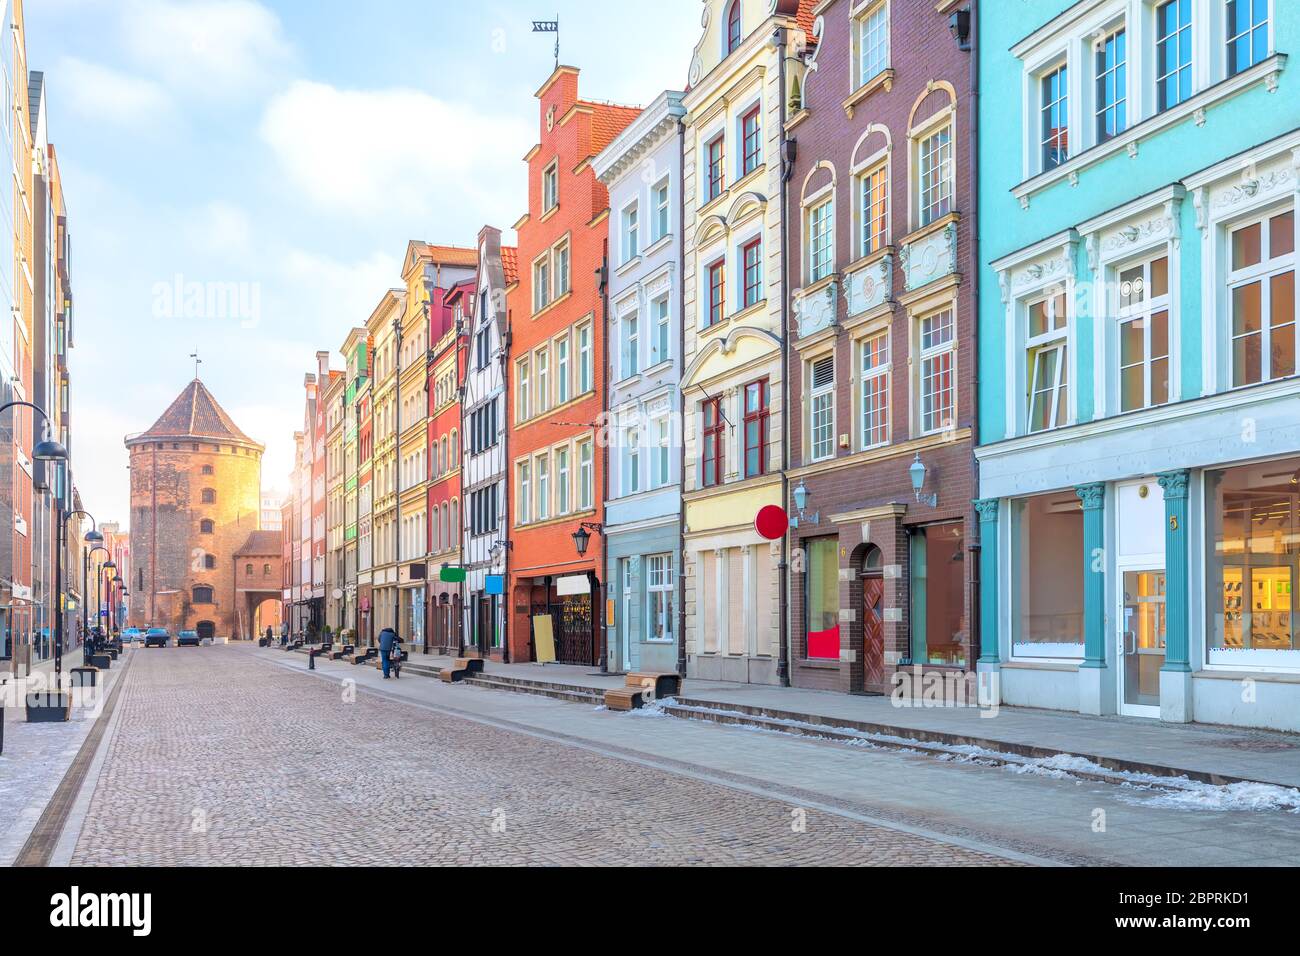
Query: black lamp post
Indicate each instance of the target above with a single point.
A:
(582, 536)
(91, 537)
(101, 590)
(88, 642)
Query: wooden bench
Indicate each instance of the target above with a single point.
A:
(642, 686)
(365, 654)
(341, 653)
(461, 668)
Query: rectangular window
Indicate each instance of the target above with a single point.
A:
(561, 269)
(1247, 34)
(821, 240)
(585, 484)
(542, 361)
(875, 390)
(717, 292)
(821, 408)
(482, 349)
(1047, 545)
(935, 162)
(873, 188)
(631, 345)
(524, 491)
(1253, 564)
(1048, 366)
(562, 481)
(551, 187)
(660, 590)
(562, 386)
(542, 283)
(873, 43)
(714, 161)
(822, 598)
(663, 219)
(1173, 53)
(1112, 85)
(938, 608)
(585, 380)
(632, 480)
(1054, 112)
(631, 237)
(752, 258)
(938, 371)
(662, 343)
(1144, 335)
(756, 425)
(713, 458)
(523, 389)
(543, 465)
(661, 452)
(751, 137)
(1261, 286)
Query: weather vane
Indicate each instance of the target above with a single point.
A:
(550, 26)
(197, 361)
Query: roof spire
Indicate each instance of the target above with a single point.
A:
(197, 362)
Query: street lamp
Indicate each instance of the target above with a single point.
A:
(582, 536)
(87, 645)
(801, 499)
(91, 537)
(917, 471)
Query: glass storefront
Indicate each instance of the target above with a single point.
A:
(938, 562)
(822, 600)
(1047, 543)
(1253, 546)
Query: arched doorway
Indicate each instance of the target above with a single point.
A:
(873, 619)
(207, 630)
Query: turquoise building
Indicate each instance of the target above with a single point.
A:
(1139, 425)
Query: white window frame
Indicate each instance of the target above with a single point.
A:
(1263, 273)
(861, 177)
(661, 309)
(819, 259)
(563, 372)
(1052, 340)
(542, 376)
(563, 481)
(943, 188)
(542, 280)
(551, 186)
(1144, 313)
(585, 370)
(630, 333)
(661, 464)
(661, 199)
(821, 402)
(542, 481)
(524, 491)
(660, 580)
(630, 231)
(934, 353)
(869, 16)
(523, 388)
(867, 377)
(586, 475)
(632, 461)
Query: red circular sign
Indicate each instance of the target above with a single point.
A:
(771, 522)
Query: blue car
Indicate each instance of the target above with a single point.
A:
(157, 637)
(187, 639)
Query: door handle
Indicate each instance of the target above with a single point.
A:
(1130, 642)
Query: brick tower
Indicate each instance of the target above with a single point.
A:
(195, 497)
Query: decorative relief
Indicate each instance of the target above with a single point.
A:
(929, 258)
(1040, 272)
(1252, 185)
(1140, 233)
(870, 286)
(816, 311)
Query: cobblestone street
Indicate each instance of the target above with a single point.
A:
(219, 758)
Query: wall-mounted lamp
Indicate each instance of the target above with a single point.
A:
(582, 536)
(959, 27)
(917, 471)
(801, 499)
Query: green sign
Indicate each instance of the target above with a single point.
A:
(452, 575)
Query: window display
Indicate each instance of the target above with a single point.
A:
(1048, 603)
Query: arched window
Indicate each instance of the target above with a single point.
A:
(206, 526)
(454, 449)
(455, 521)
(209, 562)
(248, 569)
(202, 594)
(266, 569)
(209, 496)
(446, 540)
(207, 469)
(734, 29)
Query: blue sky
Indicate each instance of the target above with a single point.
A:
(281, 153)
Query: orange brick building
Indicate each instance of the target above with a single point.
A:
(196, 485)
(557, 377)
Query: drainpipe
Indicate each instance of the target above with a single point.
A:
(783, 659)
(598, 613)
(503, 519)
(972, 518)
(681, 364)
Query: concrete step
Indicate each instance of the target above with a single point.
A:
(944, 745)
(573, 693)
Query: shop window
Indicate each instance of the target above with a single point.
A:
(937, 563)
(1253, 526)
(822, 598)
(1048, 604)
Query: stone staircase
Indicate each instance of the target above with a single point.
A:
(572, 693)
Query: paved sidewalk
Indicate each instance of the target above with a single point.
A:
(1203, 751)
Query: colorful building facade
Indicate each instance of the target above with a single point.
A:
(1138, 390)
(558, 372)
(642, 169)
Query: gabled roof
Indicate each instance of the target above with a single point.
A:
(607, 121)
(442, 255)
(260, 543)
(510, 263)
(195, 414)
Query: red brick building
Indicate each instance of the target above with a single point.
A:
(556, 375)
(878, 219)
(450, 314)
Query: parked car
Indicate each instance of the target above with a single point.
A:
(157, 637)
(132, 635)
(187, 639)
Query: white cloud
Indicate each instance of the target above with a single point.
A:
(101, 93)
(368, 152)
(337, 295)
(220, 227)
(213, 48)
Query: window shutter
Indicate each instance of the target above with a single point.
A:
(823, 373)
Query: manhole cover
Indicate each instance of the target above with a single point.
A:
(1257, 744)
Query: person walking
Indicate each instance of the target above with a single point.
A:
(388, 646)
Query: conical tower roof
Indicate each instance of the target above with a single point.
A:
(195, 414)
